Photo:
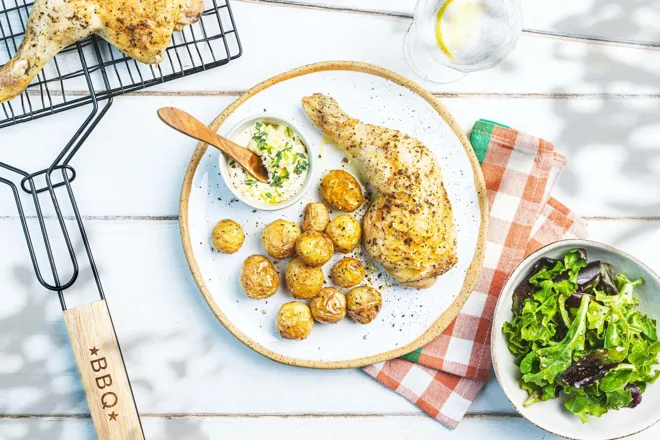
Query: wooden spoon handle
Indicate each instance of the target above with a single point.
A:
(191, 126)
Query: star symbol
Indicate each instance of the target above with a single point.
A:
(94, 351)
(113, 416)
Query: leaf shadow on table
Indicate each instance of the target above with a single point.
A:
(615, 136)
(38, 374)
(32, 345)
(629, 20)
(172, 361)
(182, 429)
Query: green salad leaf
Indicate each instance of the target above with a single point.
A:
(617, 378)
(576, 332)
(542, 366)
(583, 405)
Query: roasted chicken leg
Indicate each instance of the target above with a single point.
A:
(409, 227)
(141, 29)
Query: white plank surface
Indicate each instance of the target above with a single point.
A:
(629, 21)
(307, 35)
(612, 147)
(250, 428)
(398, 427)
(175, 349)
(632, 20)
(303, 35)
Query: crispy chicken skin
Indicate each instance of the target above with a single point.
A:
(409, 227)
(141, 29)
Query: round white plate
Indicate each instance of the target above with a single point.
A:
(551, 415)
(409, 318)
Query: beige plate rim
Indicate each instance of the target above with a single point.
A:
(440, 324)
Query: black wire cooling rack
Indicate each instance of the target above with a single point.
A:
(93, 69)
(90, 73)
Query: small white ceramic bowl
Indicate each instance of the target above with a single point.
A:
(274, 119)
(551, 415)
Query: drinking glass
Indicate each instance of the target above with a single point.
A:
(450, 38)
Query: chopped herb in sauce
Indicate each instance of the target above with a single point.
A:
(278, 158)
(284, 156)
(260, 137)
(301, 167)
(278, 179)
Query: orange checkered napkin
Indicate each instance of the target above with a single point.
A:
(445, 376)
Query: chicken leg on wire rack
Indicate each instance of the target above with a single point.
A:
(140, 29)
(210, 42)
(89, 74)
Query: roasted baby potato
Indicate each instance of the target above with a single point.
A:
(279, 238)
(315, 248)
(344, 231)
(341, 191)
(348, 272)
(259, 278)
(294, 321)
(363, 304)
(316, 217)
(227, 236)
(304, 282)
(329, 306)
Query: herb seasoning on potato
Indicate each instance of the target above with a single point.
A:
(279, 238)
(227, 236)
(341, 191)
(348, 272)
(363, 304)
(294, 321)
(344, 231)
(303, 281)
(316, 217)
(259, 278)
(315, 248)
(329, 306)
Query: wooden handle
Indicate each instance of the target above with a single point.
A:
(103, 373)
(191, 126)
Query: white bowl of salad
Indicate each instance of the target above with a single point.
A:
(575, 343)
(284, 151)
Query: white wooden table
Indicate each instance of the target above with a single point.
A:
(598, 100)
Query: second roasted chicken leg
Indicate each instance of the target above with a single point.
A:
(142, 29)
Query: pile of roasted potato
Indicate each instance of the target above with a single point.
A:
(309, 249)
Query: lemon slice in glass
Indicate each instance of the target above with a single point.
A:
(456, 24)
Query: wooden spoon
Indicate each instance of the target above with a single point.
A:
(189, 125)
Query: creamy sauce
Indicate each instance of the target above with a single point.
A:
(284, 156)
